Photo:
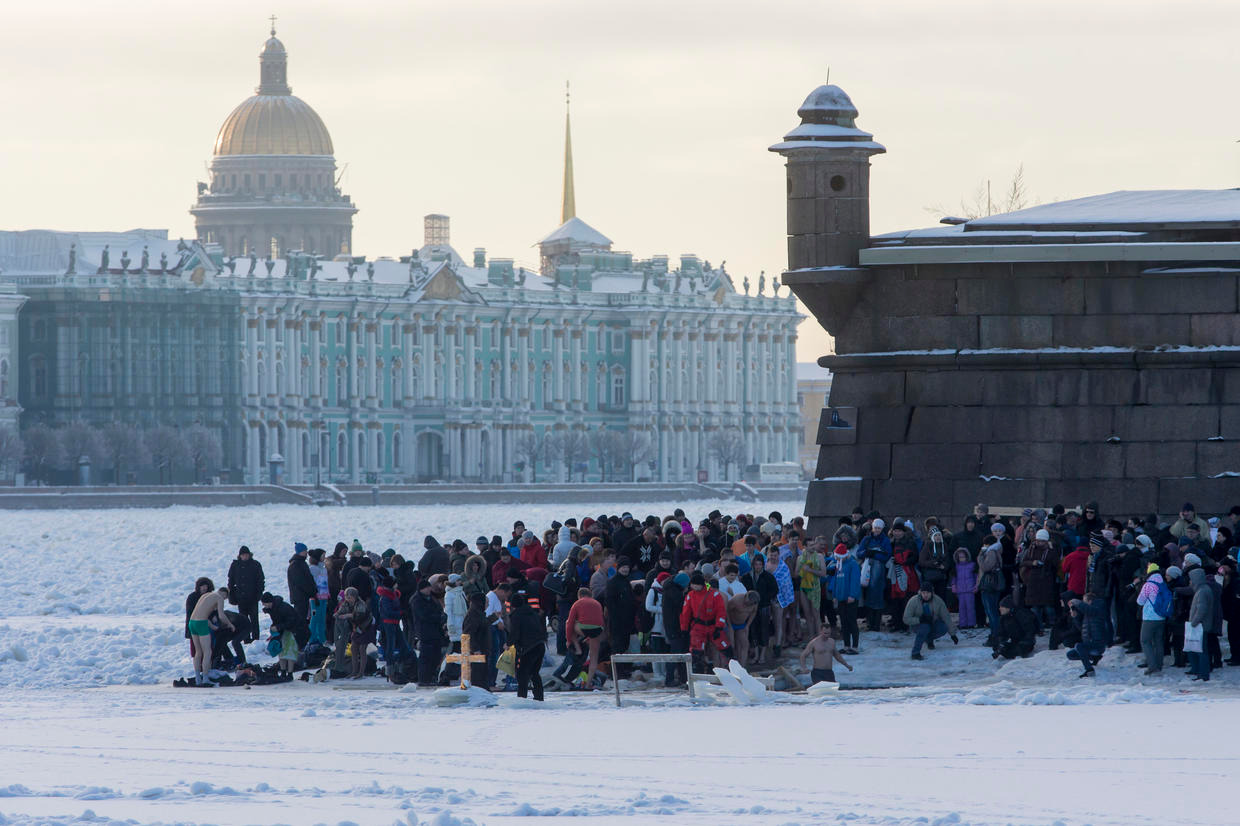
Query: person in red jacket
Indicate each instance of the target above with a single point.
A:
(583, 631)
(1076, 570)
(704, 616)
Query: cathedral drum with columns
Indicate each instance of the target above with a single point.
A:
(313, 363)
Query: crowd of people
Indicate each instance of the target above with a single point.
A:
(743, 587)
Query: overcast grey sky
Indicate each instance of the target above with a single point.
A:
(111, 109)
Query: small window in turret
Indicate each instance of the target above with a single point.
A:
(838, 183)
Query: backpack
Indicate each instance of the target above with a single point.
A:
(1163, 601)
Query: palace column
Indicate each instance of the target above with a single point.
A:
(557, 364)
(471, 333)
(523, 369)
(316, 380)
(372, 358)
(574, 365)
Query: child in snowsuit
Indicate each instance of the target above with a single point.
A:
(964, 586)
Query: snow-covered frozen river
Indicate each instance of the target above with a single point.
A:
(91, 730)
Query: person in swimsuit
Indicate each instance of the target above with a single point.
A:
(822, 647)
(742, 609)
(208, 605)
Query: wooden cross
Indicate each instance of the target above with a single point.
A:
(466, 659)
(273, 27)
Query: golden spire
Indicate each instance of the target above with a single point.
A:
(569, 207)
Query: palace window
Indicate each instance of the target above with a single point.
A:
(4, 379)
(342, 451)
(396, 457)
(617, 389)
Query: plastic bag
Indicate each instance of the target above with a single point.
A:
(507, 662)
(1194, 638)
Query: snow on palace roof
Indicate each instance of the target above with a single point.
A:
(577, 231)
(1126, 209)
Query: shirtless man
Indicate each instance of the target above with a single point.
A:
(822, 646)
(200, 631)
(742, 609)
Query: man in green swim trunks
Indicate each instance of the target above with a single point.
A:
(200, 631)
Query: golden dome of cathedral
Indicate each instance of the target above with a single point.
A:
(273, 121)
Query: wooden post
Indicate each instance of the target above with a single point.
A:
(466, 659)
(615, 682)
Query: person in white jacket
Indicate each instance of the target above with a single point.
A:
(654, 607)
(563, 547)
(455, 606)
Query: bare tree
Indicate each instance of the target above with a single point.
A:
(985, 201)
(11, 449)
(531, 447)
(78, 440)
(42, 451)
(167, 446)
(204, 448)
(727, 447)
(568, 447)
(600, 447)
(125, 448)
(628, 449)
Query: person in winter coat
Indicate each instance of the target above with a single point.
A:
(845, 585)
(286, 625)
(674, 590)
(431, 623)
(533, 553)
(395, 647)
(245, 585)
(621, 610)
(455, 606)
(934, 561)
(564, 546)
(359, 578)
(990, 585)
(1229, 607)
(1188, 516)
(318, 603)
(343, 622)
(904, 580)
(1018, 630)
(1202, 613)
(964, 586)
(434, 559)
(971, 539)
(528, 635)
(335, 583)
(406, 575)
(301, 587)
(874, 552)
(1090, 614)
(361, 634)
(1153, 623)
(703, 617)
(476, 625)
(1100, 576)
(643, 550)
(1038, 568)
(1076, 572)
(654, 610)
(927, 613)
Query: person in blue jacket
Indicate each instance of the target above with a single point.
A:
(845, 586)
(875, 547)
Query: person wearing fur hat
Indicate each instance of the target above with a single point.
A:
(1039, 567)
